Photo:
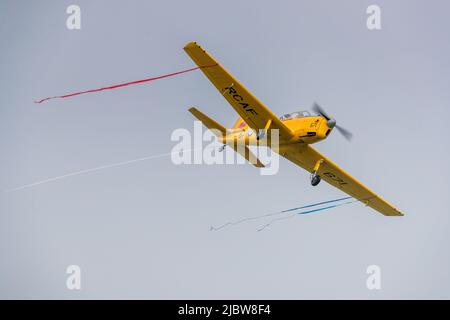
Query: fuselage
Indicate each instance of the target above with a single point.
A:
(306, 129)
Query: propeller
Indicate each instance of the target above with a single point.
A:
(331, 122)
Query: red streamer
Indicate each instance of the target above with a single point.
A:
(121, 84)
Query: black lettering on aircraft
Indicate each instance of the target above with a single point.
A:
(335, 178)
(314, 124)
(240, 100)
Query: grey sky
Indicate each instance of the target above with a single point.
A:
(142, 230)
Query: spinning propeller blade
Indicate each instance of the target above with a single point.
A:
(332, 122)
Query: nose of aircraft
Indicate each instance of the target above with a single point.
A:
(331, 123)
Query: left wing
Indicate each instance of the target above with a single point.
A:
(254, 112)
(307, 157)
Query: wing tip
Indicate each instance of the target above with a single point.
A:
(192, 45)
(395, 213)
(192, 109)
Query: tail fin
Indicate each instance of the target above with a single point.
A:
(207, 121)
(243, 150)
(240, 124)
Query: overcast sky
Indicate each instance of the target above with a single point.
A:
(141, 230)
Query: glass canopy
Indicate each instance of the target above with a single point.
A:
(294, 115)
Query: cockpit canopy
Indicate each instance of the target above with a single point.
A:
(295, 115)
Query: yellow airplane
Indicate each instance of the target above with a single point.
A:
(296, 132)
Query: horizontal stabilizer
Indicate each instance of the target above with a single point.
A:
(245, 151)
(207, 121)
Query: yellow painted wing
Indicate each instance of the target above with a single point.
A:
(306, 157)
(253, 111)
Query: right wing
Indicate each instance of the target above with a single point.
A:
(253, 111)
(306, 157)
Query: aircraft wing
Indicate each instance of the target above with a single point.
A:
(254, 112)
(306, 157)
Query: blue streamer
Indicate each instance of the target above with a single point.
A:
(317, 204)
(306, 212)
(233, 223)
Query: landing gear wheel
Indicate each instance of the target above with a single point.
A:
(315, 180)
